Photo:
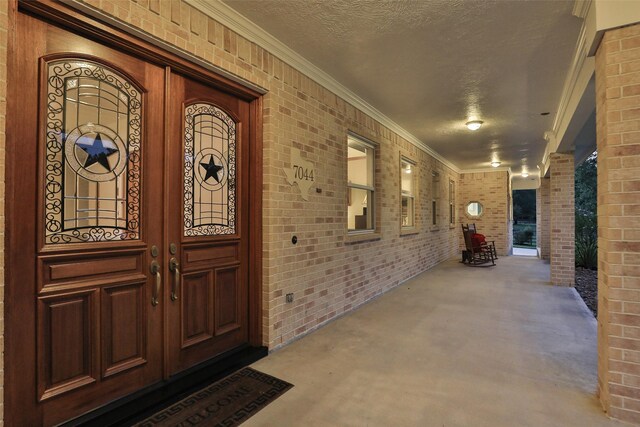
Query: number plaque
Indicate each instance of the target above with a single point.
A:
(300, 172)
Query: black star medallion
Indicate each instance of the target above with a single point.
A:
(212, 170)
(97, 152)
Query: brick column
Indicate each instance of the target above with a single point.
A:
(618, 136)
(543, 218)
(562, 207)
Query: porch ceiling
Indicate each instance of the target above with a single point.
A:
(432, 65)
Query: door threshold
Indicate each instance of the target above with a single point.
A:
(137, 406)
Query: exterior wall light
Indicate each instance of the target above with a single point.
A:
(524, 174)
(495, 164)
(474, 124)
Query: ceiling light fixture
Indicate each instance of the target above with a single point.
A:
(524, 174)
(474, 124)
(495, 164)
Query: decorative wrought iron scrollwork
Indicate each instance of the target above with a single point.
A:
(92, 171)
(209, 171)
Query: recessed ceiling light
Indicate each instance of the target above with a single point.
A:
(474, 124)
(495, 164)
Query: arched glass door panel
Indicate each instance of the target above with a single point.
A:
(92, 154)
(209, 171)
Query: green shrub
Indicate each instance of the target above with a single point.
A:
(586, 200)
(523, 234)
(523, 237)
(586, 225)
(587, 252)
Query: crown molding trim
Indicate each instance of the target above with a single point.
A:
(143, 35)
(236, 22)
(581, 8)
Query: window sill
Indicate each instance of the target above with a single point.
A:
(434, 228)
(362, 237)
(408, 231)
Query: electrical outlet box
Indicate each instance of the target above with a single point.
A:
(289, 297)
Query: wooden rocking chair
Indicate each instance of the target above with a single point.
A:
(476, 253)
(479, 240)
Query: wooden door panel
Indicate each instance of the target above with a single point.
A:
(86, 145)
(90, 269)
(94, 267)
(67, 339)
(197, 308)
(197, 256)
(123, 328)
(209, 181)
(81, 327)
(228, 303)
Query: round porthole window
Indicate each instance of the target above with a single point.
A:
(474, 209)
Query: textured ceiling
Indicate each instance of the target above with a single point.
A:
(432, 65)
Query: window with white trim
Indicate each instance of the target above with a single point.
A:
(452, 197)
(361, 185)
(435, 197)
(407, 193)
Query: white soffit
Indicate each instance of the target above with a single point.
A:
(580, 72)
(236, 22)
(530, 183)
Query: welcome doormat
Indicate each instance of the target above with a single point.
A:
(228, 402)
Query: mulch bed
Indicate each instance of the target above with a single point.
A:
(587, 287)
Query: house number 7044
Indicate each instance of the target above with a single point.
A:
(301, 172)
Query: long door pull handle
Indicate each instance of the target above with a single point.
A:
(174, 267)
(155, 270)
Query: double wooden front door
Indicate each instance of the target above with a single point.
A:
(130, 224)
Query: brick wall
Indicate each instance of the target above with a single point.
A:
(618, 135)
(492, 190)
(562, 217)
(327, 274)
(543, 218)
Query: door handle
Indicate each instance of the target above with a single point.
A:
(174, 267)
(155, 270)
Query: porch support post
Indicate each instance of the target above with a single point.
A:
(618, 137)
(543, 218)
(562, 207)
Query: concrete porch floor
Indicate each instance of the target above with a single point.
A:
(455, 346)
